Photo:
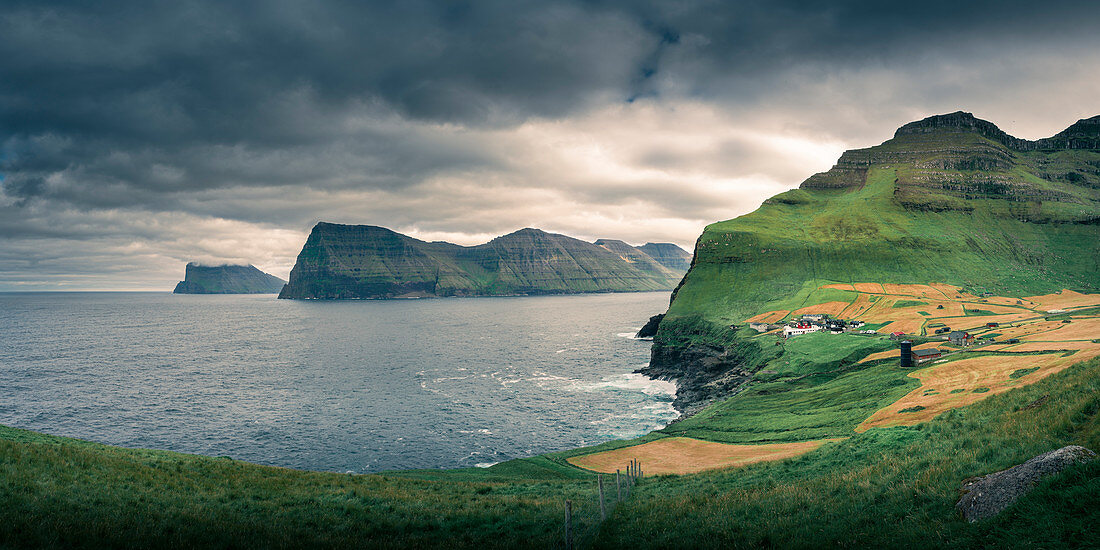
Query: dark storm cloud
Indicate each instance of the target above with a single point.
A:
(82, 80)
(433, 114)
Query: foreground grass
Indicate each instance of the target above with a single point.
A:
(892, 487)
(59, 492)
(885, 488)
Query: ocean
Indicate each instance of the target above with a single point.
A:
(344, 386)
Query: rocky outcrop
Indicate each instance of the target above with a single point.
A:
(227, 279)
(703, 373)
(370, 262)
(651, 326)
(986, 496)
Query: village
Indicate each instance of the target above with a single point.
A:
(931, 322)
(816, 322)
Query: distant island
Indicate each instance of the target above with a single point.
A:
(370, 262)
(227, 279)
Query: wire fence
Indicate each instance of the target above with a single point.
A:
(584, 516)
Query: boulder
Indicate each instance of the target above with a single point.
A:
(986, 496)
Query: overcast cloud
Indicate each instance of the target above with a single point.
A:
(137, 136)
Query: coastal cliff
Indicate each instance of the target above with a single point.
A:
(227, 279)
(949, 199)
(370, 262)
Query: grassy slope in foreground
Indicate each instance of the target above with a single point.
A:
(891, 487)
(894, 487)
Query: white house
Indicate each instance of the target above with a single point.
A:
(789, 331)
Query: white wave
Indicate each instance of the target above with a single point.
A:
(485, 464)
(635, 382)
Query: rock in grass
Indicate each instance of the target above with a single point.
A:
(986, 496)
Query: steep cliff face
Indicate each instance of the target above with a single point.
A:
(360, 261)
(949, 199)
(641, 259)
(668, 255)
(227, 279)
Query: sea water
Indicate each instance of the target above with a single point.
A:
(346, 386)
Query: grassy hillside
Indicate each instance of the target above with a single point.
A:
(59, 492)
(945, 204)
(950, 199)
(891, 487)
(361, 261)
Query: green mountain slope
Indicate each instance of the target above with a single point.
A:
(227, 279)
(641, 259)
(668, 255)
(949, 199)
(362, 261)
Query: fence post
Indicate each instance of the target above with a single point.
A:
(569, 525)
(618, 488)
(603, 510)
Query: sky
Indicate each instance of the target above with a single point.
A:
(138, 136)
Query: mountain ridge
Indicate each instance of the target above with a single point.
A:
(227, 279)
(366, 262)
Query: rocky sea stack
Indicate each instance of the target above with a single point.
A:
(370, 262)
(227, 279)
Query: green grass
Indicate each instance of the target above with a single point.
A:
(59, 492)
(777, 256)
(908, 303)
(818, 406)
(891, 488)
(1020, 373)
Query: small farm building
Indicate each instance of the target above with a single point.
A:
(922, 355)
(960, 338)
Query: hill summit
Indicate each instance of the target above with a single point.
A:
(949, 199)
(365, 261)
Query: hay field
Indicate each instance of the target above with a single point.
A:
(1086, 328)
(908, 326)
(829, 308)
(859, 306)
(896, 353)
(769, 317)
(979, 321)
(869, 288)
(1065, 299)
(919, 291)
(684, 455)
(1046, 346)
(988, 373)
